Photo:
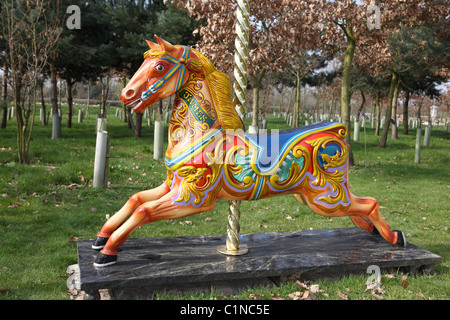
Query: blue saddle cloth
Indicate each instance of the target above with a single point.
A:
(274, 147)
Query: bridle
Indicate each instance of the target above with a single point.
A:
(179, 65)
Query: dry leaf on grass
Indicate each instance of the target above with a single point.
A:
(302, 285)
(295, 295)
(376, 296)
(314, 288)
(342, 296)
(255, 296)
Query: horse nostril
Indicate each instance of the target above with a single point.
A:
(129, 94)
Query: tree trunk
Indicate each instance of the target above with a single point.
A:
(405, 113)
(138, 127)
(361, 106)
(69, 84)
(394, 135)
(297, 100)
(378, 113)
(88, 97)
(4, 103)
(4, 110)
(60, 96)
(56, 124)
(256, 82)
(21, 126)
(160, 111)
(280, 103)
(105, 92)
(346, 88)
(387, 120)
(44, 109)
(124, 107)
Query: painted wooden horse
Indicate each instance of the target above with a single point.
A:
(209, 156)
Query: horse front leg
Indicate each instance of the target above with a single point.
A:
(161, 209)
(124, 213)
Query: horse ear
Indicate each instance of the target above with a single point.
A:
(152, 45)
(165, 45)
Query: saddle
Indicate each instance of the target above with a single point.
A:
(271, 153)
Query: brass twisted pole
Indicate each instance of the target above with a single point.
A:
(232, 246)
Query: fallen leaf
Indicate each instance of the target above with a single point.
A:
(420, 294)
(306, 296)
(276, 296)
(73, 239)
(262, 226)
(295, 295)
(208, 219)
(376, 296)
(289, 217)
(404, 284)
(342, 296)
(255, 296)
(389, 276)
(73, 185)
(314, 288)
(188, 222)
(379, 290)
(72, 292)
(302, 285)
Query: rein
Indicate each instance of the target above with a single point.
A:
(179, 64)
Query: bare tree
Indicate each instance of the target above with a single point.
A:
(30, 36)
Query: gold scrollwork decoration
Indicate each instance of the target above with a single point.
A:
(323, 176)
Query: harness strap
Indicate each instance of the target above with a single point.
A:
(179, 64)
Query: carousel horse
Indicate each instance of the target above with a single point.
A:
(210, 157)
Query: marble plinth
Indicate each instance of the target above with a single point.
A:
(191, 263)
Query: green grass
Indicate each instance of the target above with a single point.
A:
(47, 205)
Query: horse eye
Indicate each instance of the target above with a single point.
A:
(159, 67)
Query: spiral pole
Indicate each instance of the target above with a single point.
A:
(241, 55)
(232, 246)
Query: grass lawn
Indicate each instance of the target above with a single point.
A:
(45, 207)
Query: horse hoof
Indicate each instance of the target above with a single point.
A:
(401, 240)
(99, 243)
(104, 260)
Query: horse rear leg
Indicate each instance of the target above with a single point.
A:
(164, 208)
(365, 214)
(368, 208)
(360, 222)
(124, 213)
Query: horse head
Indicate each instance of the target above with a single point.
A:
(163, 72)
